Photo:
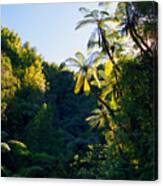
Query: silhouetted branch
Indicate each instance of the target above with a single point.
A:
(135, 36)
(106, 47)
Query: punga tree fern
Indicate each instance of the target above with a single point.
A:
(99, 118)
(100, 19)
(85, 70)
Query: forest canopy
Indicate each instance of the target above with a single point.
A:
(93, 115)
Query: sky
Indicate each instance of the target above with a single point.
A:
(49, 27)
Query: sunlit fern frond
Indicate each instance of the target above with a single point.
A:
(80, 57)
(84, 10)
(73, 62)
(93, 41)
(98, 118)
(84, 23)
(86, 87)
(104, 13)
(79, 82)
(95, 76)
(100, 58)
(108, 67)
(85, 71)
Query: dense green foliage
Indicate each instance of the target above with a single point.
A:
(90, 117)
(40, 110)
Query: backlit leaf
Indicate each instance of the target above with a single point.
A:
(96, 77)
(108, 67)
(86, 87)
(79, 83)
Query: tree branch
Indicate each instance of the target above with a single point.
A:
(135, 36)
(104, 103)
(106, 47)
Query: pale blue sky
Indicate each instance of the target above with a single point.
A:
(49, 27)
